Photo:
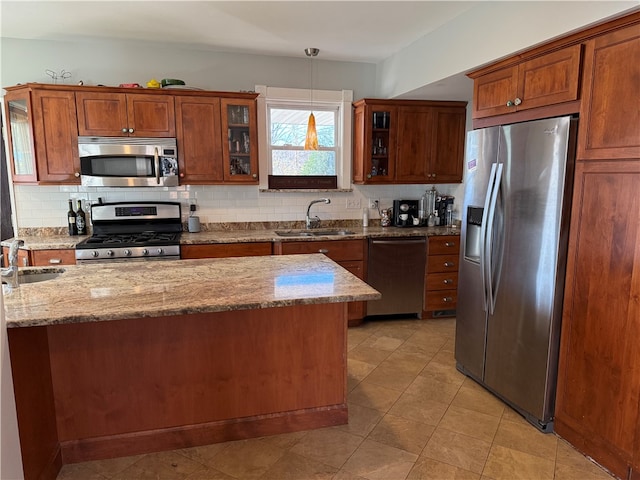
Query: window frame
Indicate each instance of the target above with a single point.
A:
(304, 98)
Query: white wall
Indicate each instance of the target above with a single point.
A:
(487, 32)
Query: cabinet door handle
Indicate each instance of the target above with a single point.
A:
(77, 174)
(369, 175)
(517, 101)
(447, 281)
(323, 250)
(131, 130)
(255, 175)
(55, 261)
(450, 244)
(447, 299)
(124, 130)
(449, 264)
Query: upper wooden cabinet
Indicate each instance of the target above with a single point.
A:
(407, 141)
(610, 112)
(125, 115)
(240, 140)
(541, 81)
(42, 135)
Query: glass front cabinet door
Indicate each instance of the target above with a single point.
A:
(240, 150)
(20, 137)
(382, 144)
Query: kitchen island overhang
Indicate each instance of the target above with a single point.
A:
(146, 357)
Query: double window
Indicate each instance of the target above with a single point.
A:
(283, 118)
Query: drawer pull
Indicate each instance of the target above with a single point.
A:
(447, 281)
(450, 244)
(449, 264)
(323, 250)
(447, 299)
(55, 261)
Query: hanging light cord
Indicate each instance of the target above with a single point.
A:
(311, 140)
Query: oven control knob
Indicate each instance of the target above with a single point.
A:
(127, 252)
(160, 251)
(109, 253)
(94, 254)
(145, 251)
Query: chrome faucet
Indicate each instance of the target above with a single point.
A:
(10, 274)
(315, 221)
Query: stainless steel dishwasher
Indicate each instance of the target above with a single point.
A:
(396, 269)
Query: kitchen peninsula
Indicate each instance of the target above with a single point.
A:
(112, 361)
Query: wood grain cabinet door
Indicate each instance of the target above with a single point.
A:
(610, 108)
(598, 396)
(492, 91)
(413, 151)
(199, 138)
(102, 114)
(55, 136)
(447, 145)
(151, 115)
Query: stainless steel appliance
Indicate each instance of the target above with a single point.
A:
(128, 162)
(512, 261)
(396, 269)
(124, 231)
(406, 213)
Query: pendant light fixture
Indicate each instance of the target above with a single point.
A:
(311, 141)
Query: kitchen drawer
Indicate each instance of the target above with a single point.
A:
(442, 281)
(442, 263)
(23, 257)
(224, 250)
(441, 300)
(444, 245)
(43, 258)
(337, 250)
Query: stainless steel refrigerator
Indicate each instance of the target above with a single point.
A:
(515, 222)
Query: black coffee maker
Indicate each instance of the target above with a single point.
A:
(405, 213)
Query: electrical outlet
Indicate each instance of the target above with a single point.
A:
(353, 203)
(373, 203)
(192, 207)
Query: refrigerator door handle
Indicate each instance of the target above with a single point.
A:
(483, 235)
(488, 246)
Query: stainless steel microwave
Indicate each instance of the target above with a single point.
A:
(128, 162)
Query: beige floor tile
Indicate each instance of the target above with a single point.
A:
(402, 433)
(473, 397)
(203, 454)
(344, 475)
(383, 342)
(209, 474)
(429, 469)
(512, 416)
(285, 440)
(429, 389)
(442, 373)
(399, 329)
(79, 471)
(425, 351)
(361, 420)
(355, 336)
(160, 466)
(330, 446)
(358, 370)
(387, 376)
(458, 450)
(428, 340)
(246, 459)
(526, 438)
(375, 461)
(370, 395)
(445, 357)
(294, 467)
(469, 422)
(112, 466)
(567, 456)
(419, 409)
(507, 464)
(567, 472)
(367, 354)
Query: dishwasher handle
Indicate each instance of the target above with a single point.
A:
(396, 242)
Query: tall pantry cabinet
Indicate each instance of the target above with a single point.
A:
(598, 396)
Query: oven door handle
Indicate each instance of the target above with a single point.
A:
(156, 161)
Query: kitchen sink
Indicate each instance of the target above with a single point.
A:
(27, 275)
(321, 232)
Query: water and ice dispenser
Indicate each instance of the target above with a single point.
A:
(472, 240)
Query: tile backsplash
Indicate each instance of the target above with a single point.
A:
(46, 206)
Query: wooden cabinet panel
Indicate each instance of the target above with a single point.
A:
(23, 257)
(240, 141)
(355, 310)
(447, 145)
(545, 80)
(441, 274)
(444, 245)
(43, 258)
(441, 300)
(609, 112)
(123, 115)
(56, 137)
(441, 281)
(224, 250)
(199, 139)
(413, 146)
(598, 399)
(336, 250)
(442, 263)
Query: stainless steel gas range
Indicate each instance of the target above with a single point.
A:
(127, 231)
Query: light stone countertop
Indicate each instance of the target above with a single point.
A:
(115, 291)
(48, 242)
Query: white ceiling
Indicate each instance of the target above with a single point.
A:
(357, 31)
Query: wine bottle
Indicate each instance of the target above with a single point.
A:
(71, 220)
(81, 220)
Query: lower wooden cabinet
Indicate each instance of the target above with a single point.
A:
(350, 254)
(598, 395)
(441, 275)
(42, 258)
(222, 250)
